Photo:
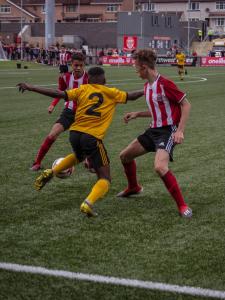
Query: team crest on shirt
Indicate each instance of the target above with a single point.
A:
(159, 97)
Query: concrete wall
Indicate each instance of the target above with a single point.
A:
(101, 35)
(143, 26)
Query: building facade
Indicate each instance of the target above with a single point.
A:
(31, 11)
(213, 12)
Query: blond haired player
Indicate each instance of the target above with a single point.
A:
(96, 105)
(169, 109)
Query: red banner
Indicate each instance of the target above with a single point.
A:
(117, 60)
(129, 43)
(212, 61)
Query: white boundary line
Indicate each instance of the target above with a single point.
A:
(200, 79)
(195, 291)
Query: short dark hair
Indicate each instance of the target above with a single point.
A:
(78, 56)
(96, 71)
(96, 75)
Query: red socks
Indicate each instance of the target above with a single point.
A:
(130, 171)
(173, 188)
(44, 149)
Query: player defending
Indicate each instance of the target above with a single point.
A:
(68, 80)
(96, 105)
(180, 57)
(169, 109)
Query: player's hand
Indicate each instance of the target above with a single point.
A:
(129, 116)
(178, 137)
(23, 87)
(51, 108)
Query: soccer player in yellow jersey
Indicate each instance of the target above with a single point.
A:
(180, 57)
(96, 105)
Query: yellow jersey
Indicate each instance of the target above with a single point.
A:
(95, 108)
(180, 57)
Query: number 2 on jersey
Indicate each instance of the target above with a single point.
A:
(91, 110)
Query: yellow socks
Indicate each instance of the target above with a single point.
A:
(98, 191)
(69, 161)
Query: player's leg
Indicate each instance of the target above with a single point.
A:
(127, 157)
(69, 161)
(48, 174)
(46, 145)
(95, 150)
(98, 191)
(63, 123)
(182, 72)
(161, 165)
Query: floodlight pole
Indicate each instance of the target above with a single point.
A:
(78, 11)
(188, 42)
(21, 28)
(49, 23)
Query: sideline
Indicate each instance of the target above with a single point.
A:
(132, 81)
(188, 290)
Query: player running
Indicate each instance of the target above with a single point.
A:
(96, 105)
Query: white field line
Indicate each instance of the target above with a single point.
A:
(195, 291)
(198, 79)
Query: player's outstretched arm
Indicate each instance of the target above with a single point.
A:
(136, 114)
(44, 91)
(135, 95)
(178, 136)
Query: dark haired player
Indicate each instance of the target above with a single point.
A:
(169, 110)
(67, 80)
(96, 105)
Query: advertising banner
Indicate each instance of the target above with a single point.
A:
(124, 60)
(117, 60)
(129, 43)
(189, 61)
(212, 61)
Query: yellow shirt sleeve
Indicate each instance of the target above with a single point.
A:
(73, 94)
(119, 96)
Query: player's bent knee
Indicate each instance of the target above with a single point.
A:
(160, 169)
(123, 157)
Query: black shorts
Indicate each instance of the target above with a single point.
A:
(86, 145)
(158, 138)
(180, 67)
(66, 118)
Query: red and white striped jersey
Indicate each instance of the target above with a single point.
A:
(163, 99)
(63, 58)
(67, 81)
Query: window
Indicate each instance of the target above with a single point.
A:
(168, 21)
(5, 9)
(93, 20)
(220, 5)
(43, 9)
(71, 8)
(112, 8)
(194, 19)
(148, 6)
(220, 21)
(194, 6)
(155, 20)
